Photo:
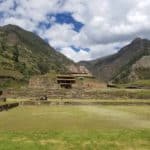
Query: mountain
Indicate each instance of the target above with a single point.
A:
(23, 54)
(131, 63)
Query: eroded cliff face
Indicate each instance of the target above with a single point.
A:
(141, 69)
(78, 69)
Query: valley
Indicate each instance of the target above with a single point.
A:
(47, 101)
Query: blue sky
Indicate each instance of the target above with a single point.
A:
(62, 18)
(66, 18)
(81, 29)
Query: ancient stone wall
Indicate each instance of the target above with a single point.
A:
(42, 82)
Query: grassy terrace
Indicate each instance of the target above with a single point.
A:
(75, 127)
(120, 93)
(143, 83)
(86, 101)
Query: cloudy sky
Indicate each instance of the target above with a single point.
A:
(81, 29)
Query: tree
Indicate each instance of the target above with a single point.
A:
(16, 54)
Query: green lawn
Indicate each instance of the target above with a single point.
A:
(75, 128)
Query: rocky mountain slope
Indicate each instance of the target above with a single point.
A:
(23, 54)
(131, 63)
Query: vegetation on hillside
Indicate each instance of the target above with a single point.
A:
(23, 54)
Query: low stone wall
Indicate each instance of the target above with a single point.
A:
(8, 106)
(79, 94)
(76, 103)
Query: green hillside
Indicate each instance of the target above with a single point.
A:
(23, 54)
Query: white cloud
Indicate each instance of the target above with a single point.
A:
(107, 24)
(24, 23)
(76, 55)
(60, 35)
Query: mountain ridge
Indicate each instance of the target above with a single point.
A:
(23, 54)
(117, 67)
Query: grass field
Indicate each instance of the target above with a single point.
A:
(75, 128)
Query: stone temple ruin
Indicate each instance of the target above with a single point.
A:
(42, 82)
(67, 80)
